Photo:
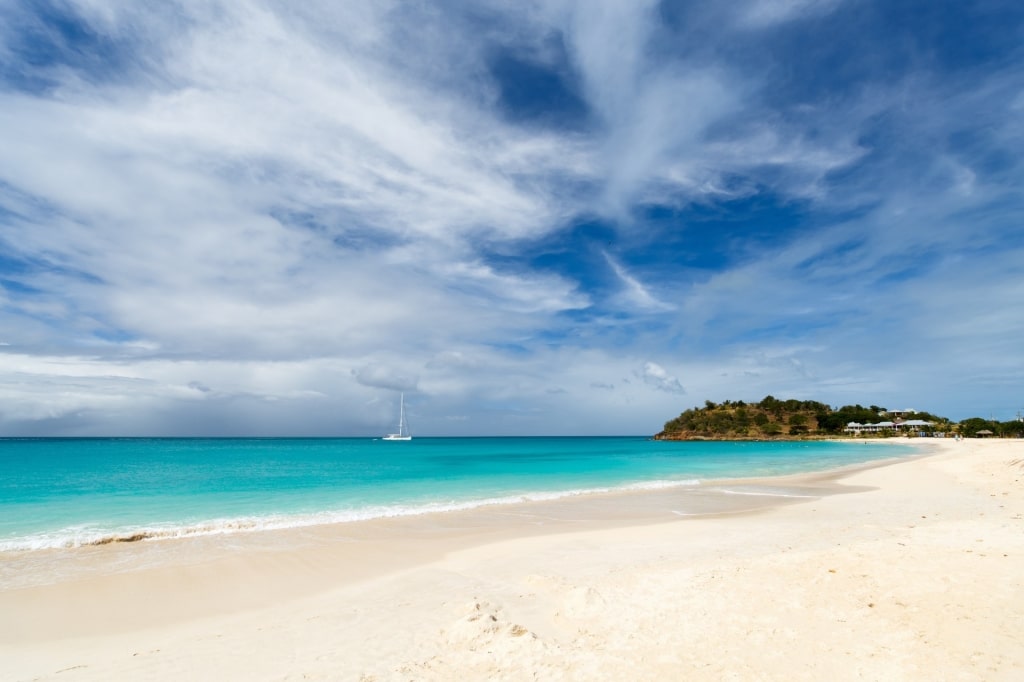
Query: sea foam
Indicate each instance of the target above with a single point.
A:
(86, 536)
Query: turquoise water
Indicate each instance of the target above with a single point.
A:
(70, 492)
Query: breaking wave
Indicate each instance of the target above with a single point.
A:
(91, 536)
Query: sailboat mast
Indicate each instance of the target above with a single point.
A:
(403, 429)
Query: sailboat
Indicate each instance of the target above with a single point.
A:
(403, 428)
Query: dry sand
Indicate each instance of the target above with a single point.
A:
(915, 574)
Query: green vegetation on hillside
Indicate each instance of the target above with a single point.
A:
(976, 426)
(774, 418)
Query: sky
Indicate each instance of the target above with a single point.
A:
(565, 217)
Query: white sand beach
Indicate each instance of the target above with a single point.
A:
(916, 572)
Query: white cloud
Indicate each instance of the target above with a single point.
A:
(766, 13)
(635, 294)
(309, 205)
(655, 375)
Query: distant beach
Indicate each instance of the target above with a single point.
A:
(905, 568)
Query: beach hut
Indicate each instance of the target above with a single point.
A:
(984, 433)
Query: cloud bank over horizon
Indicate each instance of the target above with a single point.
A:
(557, 217)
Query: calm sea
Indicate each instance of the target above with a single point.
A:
(71, 492)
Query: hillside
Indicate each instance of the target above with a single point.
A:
(772, 418)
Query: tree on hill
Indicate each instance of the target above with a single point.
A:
(835, 421)
(970, 428)
(773, 418)
(765, 419)
(1011, 429)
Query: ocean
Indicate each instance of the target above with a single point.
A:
(69, 492)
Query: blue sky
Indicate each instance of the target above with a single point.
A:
(565, 217)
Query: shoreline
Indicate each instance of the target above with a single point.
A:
(66, 540)
(93, 575)
(637, 504)
(413, 578)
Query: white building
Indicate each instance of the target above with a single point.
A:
(899, 414)
(908, 426)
